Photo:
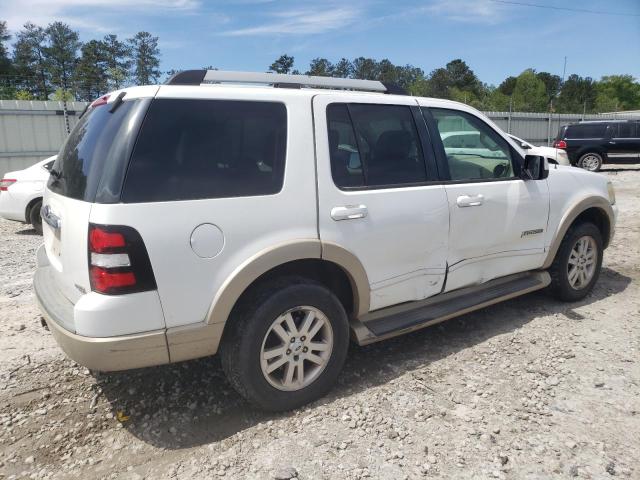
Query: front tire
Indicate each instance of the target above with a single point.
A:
(577, 265)
(286, 344)
(34, 217)
(591, 161)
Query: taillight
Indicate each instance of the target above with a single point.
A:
(118, 261)
(560, 144)
(99, 101)
(5, 183)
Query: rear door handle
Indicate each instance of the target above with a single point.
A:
(349, 212)
(470, 200)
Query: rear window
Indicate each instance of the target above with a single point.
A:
(586, 131)
(195, 149)
(100, 138)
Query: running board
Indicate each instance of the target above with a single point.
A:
(407, 317)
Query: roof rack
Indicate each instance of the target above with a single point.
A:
(198, 77)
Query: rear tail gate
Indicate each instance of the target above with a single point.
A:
(118, 261)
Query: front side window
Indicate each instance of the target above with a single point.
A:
(374, 146)
(196, 149)
(474, 150)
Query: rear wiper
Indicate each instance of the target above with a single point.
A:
(55, 173)
(117, 102)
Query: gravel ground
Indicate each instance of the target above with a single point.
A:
(531, 388)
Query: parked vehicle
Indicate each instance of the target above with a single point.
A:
(271, 225)
(21, 193)
(591, 144)
(552, 154)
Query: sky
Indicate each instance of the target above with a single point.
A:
(496, 38)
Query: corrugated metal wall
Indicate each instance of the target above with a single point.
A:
(33, 130)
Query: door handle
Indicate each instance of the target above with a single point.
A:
(470, 200)
(349, 212)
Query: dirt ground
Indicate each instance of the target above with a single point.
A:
(529, 389)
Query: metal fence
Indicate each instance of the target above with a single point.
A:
(33, 130)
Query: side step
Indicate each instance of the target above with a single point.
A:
(399, 319)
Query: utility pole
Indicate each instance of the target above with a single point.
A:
(564, 69)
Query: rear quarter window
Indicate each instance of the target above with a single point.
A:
(586, 131)
(196, 149)
(99, 142)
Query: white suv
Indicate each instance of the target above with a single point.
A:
(272, 223)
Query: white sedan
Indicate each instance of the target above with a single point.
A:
(553, 155)
(21, 193)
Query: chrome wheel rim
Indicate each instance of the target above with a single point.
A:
(296, 348)
(582, 262)
(590, 162)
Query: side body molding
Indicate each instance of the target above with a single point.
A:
(569, 217)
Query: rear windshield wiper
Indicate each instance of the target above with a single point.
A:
(55, 173)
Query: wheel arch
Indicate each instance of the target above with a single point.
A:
(30, 205)
(329, 264)
(597, 210)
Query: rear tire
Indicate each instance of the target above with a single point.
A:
(265, 353)
(577, 265)
(34, 217)
(591, 161)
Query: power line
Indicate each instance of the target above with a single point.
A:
(567, 9)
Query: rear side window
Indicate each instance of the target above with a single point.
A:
(195, 149)
(374, 146)
(100, 138)
(627, 130)
(586, 131)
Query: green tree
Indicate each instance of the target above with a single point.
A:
(118, 60)
(146, 58)
(5, 60)
(61, 54)
(439, 83)
(551, 85)
(462, 77)
(529, 95)
(321, 67)
(620, 91)
(29, 61)
(578, 94)
(496, 101)
(91, 74)
(507, 86)
(343, 69)
(408, 75)
(365, 69)
(23, 95)
(284, 64)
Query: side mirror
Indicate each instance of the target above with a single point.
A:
(534, 167)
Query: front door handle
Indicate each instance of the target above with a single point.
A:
(349, 212)
(470, 200)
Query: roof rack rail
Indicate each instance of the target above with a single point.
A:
(198, 77)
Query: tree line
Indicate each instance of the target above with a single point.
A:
(52, 63)
(530, 91)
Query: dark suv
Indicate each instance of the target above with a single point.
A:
(590, 144)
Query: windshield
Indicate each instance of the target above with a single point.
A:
(100, 138)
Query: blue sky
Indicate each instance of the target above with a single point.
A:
(495, 38)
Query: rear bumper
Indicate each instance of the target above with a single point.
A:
(98, 353)
(12, 208)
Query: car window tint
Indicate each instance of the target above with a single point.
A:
(474, 150)
(388, 144)
(626, 130)
(194, 149)
(346, 166)
(586, 131)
